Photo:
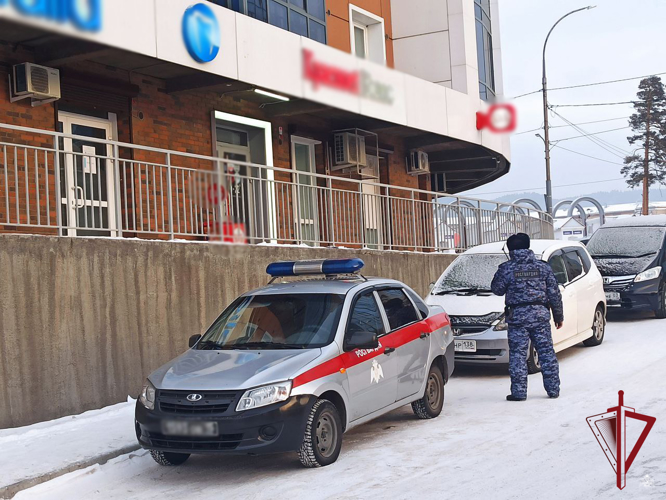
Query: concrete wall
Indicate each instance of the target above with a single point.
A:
(83, 321)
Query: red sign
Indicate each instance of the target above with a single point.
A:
(500, 118)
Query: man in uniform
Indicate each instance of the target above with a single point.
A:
(531, 291)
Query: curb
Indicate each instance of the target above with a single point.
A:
(8, 492)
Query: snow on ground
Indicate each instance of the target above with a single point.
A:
(47, 447)
(480, 447)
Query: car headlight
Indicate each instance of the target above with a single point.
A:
(501, 325)
(147, 396)
(263, 396)
(650, 274)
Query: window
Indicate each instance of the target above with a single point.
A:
(398, 307)
(365, 317)
(484, 50)
(303, 17)
(559, 268)
(585, 259)
(306, 211)
(573, 264)
(367, 35)
(420, 305)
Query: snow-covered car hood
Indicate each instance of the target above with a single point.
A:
(473, 305)
(230, 370)
(623, 267)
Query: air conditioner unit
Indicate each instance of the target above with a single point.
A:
(370, 171)
(37, 82)
(349, 150)
(417, 163)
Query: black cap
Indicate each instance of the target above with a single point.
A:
(520, 241)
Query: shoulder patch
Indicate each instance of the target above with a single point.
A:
(527, 275)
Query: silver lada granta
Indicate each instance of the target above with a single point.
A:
(293, 365)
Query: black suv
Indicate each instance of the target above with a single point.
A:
(631, 256)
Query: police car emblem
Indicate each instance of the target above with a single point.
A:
(376, 372)
(193, 398)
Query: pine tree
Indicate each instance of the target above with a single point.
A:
(647, 166)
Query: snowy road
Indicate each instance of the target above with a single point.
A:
(481, 446)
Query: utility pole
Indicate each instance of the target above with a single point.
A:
(544, 91)
(646, 165)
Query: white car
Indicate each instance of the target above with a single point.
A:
(477, 315)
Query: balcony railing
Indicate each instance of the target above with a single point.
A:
(68, 185)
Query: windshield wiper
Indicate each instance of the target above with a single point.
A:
(266, 345)
(604, 256)
(211, 345)
(469, 291)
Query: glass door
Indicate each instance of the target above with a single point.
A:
(305, 209)
(239, 211)
(88, 186)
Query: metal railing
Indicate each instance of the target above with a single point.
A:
(55, 183)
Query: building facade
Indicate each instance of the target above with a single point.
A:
(324, 122)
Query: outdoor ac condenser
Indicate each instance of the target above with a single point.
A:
(418, 163)
(38, 82)
(349, 150)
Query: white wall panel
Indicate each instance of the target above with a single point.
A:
(426, 105)
(412, 18)
(425, 56)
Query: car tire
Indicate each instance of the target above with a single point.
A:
(322, 440)
(169, 459)
(598, 329)
(432, 402)
(660, 312)
(533, 364)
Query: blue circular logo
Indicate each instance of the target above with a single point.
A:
(201, 32)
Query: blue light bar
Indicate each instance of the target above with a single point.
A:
(312, 267)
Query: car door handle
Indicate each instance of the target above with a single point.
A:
(424, 335)
(389, 350)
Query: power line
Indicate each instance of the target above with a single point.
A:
(588, 156)
(590, 84)
(542, 187)
(593, 133)
(590, 104)
(582, 123)
(596, 140)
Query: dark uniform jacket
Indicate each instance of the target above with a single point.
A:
(525, 280)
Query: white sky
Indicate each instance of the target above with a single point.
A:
(618, 39)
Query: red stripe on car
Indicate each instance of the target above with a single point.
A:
(394, 340)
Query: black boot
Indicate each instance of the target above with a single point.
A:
(511, 397)
(554, 396)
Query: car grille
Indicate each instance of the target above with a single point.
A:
(211, 402)
(618, 284)
(222, 442)
(466, 329)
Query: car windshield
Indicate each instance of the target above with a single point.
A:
(626, 242)
(294, 321)
(470, 273)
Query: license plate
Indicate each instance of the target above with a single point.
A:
(189, 429)
(464, 345)
(614, 296)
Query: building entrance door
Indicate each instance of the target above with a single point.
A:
(88, 178)
(238, 207)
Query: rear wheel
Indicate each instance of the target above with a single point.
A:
(169, 459)
(661, 310)
(533, 364)
(598, 329)
(322, 440)
(432, 402)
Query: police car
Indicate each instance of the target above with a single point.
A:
(295, 364)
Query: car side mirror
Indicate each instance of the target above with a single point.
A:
(193, 340)
(362, 340)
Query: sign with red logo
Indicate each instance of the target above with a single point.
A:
(359, 83)
(500, 118)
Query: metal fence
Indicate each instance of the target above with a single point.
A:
(69, 185)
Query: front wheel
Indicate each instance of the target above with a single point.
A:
(661, 309)
(168, 458)
(533, 363)
(432, 402)
(598, 329)
(322, 440)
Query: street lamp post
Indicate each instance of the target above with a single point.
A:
(549, 187)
